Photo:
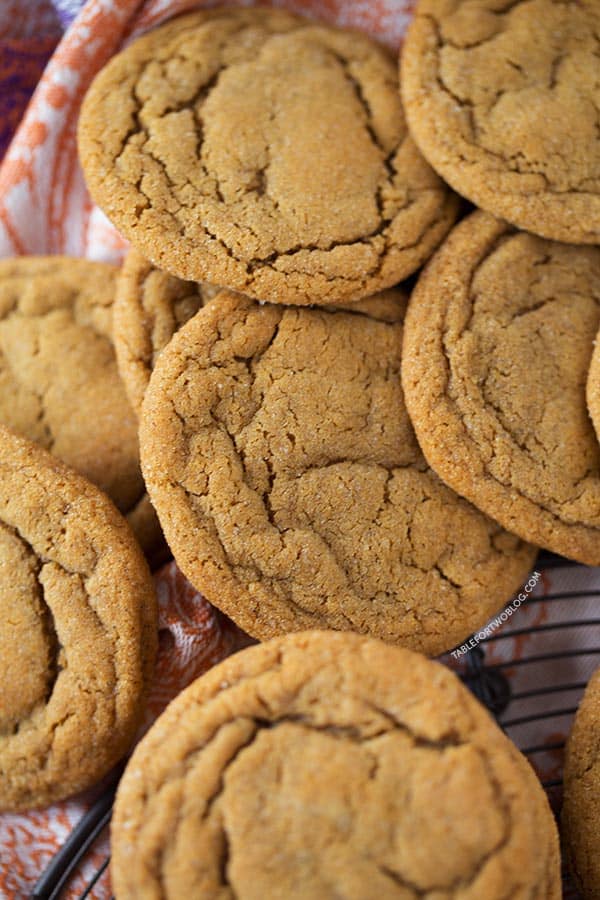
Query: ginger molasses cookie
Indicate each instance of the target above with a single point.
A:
(581, 806)
(280, 458)
(59, 383)
(151, 305)
(326, 765)
(263, 152)
(502, 100)
(78, 629)
(498, 341)
(593, 387)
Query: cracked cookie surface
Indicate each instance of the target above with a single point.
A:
(79, 629)
(280, 458)
(326, 765)
(581, 805)
(503, 99)
(265, 153)
(151, 306)
(593, 387)
(498, 341)
(59, 384)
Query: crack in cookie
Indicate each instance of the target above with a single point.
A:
(151, 306)
(79, 630)
(59, 383)
(199, 141)
(278, 437)
(513, 126)
(327, 765)
(499, 337)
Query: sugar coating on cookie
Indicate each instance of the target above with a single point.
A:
(280, 458)
(593, 387)
(581, 804)
(330, 765)
(150, 306)
(498, 341)
(78, 635)
(503, 99)
(265, 153)
(59, 383)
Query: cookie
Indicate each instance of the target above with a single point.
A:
(581, 806)
(593, 387)
(150, 306)
(59, 384)
(280, 458)
(79, 629)
(502, 100)
(263, 152)
(498, 340)
(326, 765)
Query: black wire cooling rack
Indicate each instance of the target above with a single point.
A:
(495, 678)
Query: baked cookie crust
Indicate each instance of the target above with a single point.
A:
(79, 629)
(593, 387)
(282, 463)
(59, 383)
(497, 346)
(265, 153)
(151, 306)
(581, 806)
(329, 765)
(502, 99)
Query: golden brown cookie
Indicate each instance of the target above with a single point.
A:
(284, 469)
(593, 386)
(150, 306)
(497, 346)
(502, 99)
(327, 765)
(59, 384)
(263, 152)
(581, 806)
(78, 629)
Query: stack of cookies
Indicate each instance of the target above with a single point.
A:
(269, 156)
(322, 448)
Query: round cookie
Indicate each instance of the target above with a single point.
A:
(263, 152)
(502, 100)
(581, 806)
(59, 384)
(326, 765)
(280, 458)
(497, 345)
(151, 305)
(79, 629)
